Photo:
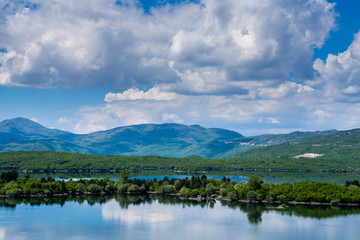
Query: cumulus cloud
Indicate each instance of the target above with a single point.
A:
(217, 63)
(283, 90)
(154, 93)
(63, 120)
(321, 113)
(250, 40)
(273, 120)
(204, 48)
(170, 117)
(339, 75)
(240, 113)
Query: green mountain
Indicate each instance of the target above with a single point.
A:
(23, 127)
(173, 140)
(169, 140)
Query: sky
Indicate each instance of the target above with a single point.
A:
(256, 67)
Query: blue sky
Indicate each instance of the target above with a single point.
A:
(262, 66)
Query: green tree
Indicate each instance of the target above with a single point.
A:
(166, 188)
(133, 188)
(210, 189)
(9, 176)
(251, 196)
(183, 191)
(125, 174)
(233, 195)
(93, 188)
(79, 187)
(254, 183)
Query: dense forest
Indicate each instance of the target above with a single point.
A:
(199, 188)
(59, 161)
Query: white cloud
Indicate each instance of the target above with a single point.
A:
(64, 120)
(339, 75)
(246, 114)
(210, 46)
(232, 112)
(2, 233)
(217, 63)
(321, 113)
(135, 94)
(352, 89)
(283, 90)
(34, 120)
(170, 117)
(273, 120)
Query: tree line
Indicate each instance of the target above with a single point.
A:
(45, 161)
(255, 190)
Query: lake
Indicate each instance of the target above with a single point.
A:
(164, 217)
(239, 176)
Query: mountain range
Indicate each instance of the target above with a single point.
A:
(169, 139)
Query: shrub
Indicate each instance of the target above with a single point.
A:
(133, 188)
(93, 188)
(79, 187)
(163, 189)
(251, 196)
(14, 192)
(183, 191)
(233, 195)
(210, 189)
(122, 188)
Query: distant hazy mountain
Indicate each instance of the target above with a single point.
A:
(169, 139)
(174, 140)
(23, 127)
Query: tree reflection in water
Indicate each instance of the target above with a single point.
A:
(253, 211)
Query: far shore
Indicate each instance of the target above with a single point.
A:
(208, 170)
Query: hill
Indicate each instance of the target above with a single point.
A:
(333, 148)
(23, 127)
(45, 161)
(169, 140)
(173, 140)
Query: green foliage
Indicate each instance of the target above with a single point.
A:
(14, 192)
(254, 183)
(133, 188)
(210, 189)
(93, 188)
(80, 187)
(233, 195)
(125, 174)
(183, 191)
(11, 185)
(254, 190)
(166, 189)
(9, 176)
(55, 161)
(251, 196)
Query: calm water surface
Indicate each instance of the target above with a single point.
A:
(153, 217)
(239, 176)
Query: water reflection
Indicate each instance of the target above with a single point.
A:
(140, 208)
(168, 217)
